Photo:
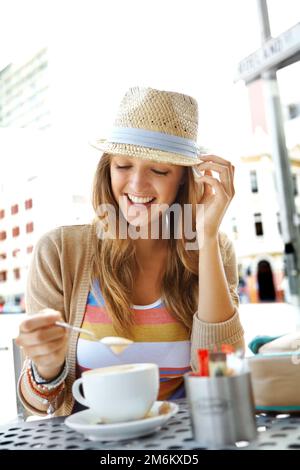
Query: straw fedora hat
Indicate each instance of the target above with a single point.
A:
(155, 125)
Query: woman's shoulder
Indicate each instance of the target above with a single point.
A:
(65, 235)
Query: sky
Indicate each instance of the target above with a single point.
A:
(98, 49)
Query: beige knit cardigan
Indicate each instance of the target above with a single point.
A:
(58, 278)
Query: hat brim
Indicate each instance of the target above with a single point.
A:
(146, 153)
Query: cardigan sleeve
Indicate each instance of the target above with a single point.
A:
(44, 290)
(44, 287)
(207, 335)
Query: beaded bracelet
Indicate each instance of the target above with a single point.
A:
(45, 399)
(49, 384)
(41, 390)
(32, 392)
(42, 393)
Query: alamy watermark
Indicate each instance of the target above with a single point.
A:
(152, 222)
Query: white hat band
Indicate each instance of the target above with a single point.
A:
(153, 139)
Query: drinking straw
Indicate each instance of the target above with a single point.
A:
(203, 362)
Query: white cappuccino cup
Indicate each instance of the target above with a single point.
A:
(119, 393)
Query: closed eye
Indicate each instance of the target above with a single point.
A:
(154, 171)
(160, 172)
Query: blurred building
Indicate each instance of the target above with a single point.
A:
(254, 215)
(255, 225)
(40, 190)
(26, 213)
(253, 219)
(24, 93)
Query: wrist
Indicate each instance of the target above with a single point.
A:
(52, 382)
(210, 238)
(209, 241)
(49, 374)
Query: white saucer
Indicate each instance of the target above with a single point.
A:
(83, 422)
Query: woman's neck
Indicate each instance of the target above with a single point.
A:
(151, 252)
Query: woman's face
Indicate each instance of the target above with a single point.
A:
(138, 184)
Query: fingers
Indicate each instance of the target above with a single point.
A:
(43, 342)
(219, 160)
(40, 320)
(40, 336)
(223, 167)
(214, 158)
(226, 176)
(46, 349)
(40, 328)
(216, 185)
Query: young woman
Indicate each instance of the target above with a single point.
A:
(170, 297)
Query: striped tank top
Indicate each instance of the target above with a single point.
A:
(159, 338)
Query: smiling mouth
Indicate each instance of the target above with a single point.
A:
(132, 200)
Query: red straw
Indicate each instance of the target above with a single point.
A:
(203, 362)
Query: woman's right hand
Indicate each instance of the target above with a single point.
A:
(43, 342)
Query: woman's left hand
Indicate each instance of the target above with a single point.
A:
(217, 202)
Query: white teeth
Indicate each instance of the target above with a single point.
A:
(140, 200)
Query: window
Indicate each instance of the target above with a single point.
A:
(258, 224)
(3, 256)
(17, 274)
(279, 223)
(16, 252)
(28, 204)
(29, 249)
(234, 227)
(253, 180)
(29, 227)
(295, 186)
(2, 214)
(16, 231)
(14, 209)
(293, 110)
(3, 276)
(2, 236)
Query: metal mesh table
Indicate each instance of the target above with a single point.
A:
(275, 432)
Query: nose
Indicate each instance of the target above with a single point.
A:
(139, 181)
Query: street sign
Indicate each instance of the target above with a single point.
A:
(274, 52)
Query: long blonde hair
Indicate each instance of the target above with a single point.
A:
(114, 261)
